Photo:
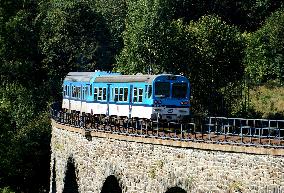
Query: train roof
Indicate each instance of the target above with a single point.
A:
(86, 76)
(127, 78)
(79, 76)
(105, 77)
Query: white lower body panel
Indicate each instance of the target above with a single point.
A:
(74, 105)
(127, 110)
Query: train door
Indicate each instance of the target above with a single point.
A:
(130, 101)
(108, 98)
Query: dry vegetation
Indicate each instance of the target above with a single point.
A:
(268, 100)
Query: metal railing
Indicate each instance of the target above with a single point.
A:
(220, 130)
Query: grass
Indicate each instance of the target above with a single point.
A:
(268, 100)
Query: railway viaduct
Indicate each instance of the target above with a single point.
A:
(101, 162)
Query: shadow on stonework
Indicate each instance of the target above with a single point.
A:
(70, 182)
(53, 190)
(175, 190)
(111, 185)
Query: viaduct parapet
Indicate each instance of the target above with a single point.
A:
(103, 161)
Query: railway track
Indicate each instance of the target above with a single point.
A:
(219, 130)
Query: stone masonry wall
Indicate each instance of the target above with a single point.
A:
(149, 168)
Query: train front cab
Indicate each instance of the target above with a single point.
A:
(171, 96)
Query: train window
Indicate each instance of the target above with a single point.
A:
(135, 94)
(140, 95)
(95, 94)
(78, 92)
(86, 91)
(149, 91)
(73, 91)
(120, 94)
(179, 90)
(116, 94)
(104, 94)
(100, 94)
(125, 94)
(162, 89)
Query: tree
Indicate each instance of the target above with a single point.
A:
(24, 141)
(217, 62)
(264, 53)
(114, 13)
(151, 40)
(19, 55)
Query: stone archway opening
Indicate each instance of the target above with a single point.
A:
(175, 190)
(70, 181)
(111, 185)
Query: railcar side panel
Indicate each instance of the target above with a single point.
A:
(142, 111)
(119, 110)
(65, 103)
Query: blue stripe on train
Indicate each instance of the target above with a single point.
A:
(133, 104)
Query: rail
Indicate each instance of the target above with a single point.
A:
(218, 130)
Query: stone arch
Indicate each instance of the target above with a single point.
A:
(175, 190)
(70, 180)
(111, 185)
(53, 183)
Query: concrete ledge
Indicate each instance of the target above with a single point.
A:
(173, 143)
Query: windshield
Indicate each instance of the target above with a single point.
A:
(162, 89)
(179, 90)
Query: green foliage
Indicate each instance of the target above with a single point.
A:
(24, 140)
(18, 44)
(265, 48)
(268, 100)
(248, 112)
(147, 37)
(219, 49)
(217, 61)
(17, 101)
(30, 154)
(6, 190)
(74, 37)
(114, 13)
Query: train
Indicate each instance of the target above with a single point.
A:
(156, 97)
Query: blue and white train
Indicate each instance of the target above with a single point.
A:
(163, 96)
